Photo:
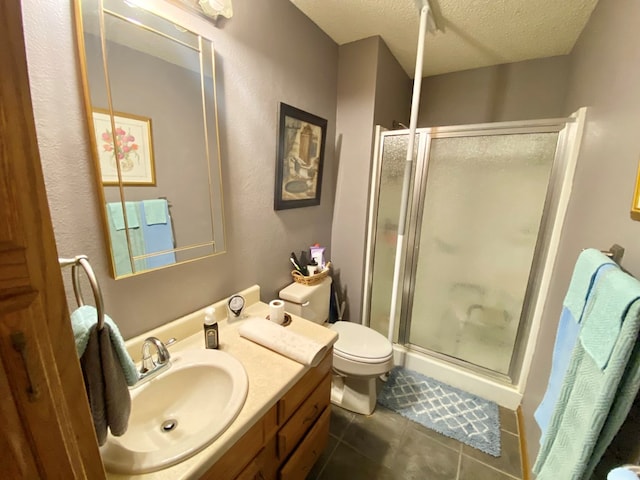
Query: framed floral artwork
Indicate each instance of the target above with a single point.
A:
(300, 158)
(130, 144)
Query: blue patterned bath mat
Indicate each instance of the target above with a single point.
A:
(468, 418)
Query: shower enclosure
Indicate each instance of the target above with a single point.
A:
(486, 204)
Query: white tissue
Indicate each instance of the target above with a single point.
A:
(276, 311)
(285, 342)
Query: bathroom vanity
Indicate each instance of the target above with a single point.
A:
(283, 426)
(287, 441)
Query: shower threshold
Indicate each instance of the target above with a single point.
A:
(470, 378)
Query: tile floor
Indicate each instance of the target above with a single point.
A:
(386, 445)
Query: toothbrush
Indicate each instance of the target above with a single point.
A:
(295, 265)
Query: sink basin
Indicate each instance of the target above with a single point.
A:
(179, 412)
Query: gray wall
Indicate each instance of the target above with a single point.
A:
(268, 53)
(372, 89)
(354, 129)
(605, 76)
(517, 91)
(393, 90)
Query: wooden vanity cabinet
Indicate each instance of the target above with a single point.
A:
(287, 441)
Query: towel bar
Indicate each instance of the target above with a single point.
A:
(83, 261)
(615, 253)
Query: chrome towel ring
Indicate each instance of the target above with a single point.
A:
(83, 261)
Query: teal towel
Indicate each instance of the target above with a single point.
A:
(83, 321)
(115, 211)
(589, 261)
(155, 211)
(105, 384)
(624, 399)
(119, 245)
(592, 403)
(603, 319)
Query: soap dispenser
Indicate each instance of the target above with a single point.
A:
(210, 328)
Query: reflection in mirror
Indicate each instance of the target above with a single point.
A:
(151, 102)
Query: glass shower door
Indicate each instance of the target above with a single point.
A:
(483, 202)
(391, 164)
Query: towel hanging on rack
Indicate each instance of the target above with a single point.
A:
(594, 400)
(107, 368)
(83, 322)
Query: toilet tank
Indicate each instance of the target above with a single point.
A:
(308, 302)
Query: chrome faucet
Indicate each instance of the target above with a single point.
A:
(150, 367)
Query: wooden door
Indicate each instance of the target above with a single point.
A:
(47, 430)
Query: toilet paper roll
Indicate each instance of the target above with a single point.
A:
(276, 311)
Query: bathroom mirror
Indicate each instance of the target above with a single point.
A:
(150, 93)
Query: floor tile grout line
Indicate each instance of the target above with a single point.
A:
(338, 442)
(459, 462)
(494, 468)
(326, 462)
(440, 441)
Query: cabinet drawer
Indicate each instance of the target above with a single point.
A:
(251, 471)
(233, 462)
(301, 421)
(301, 390)
(306, 455)
(264, 466)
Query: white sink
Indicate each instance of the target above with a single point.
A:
(178, 413)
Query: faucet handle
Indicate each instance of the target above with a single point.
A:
(150, 368)
(163, 354)
(147, 359)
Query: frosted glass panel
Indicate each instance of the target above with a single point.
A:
(394, 155)
(482, 211)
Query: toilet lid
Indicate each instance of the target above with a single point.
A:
(360, 343)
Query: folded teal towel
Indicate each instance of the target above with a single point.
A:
(592, 403)
(582, 280)
(118, 237)
(604, 315)
(155, 211)
(83, 320)
(115, 212)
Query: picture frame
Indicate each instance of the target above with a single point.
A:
(300, 158)
(133, 133)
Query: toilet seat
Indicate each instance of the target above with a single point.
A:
(358, 343)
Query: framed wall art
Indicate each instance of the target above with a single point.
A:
(635, 203)
(132, 147)
(301, 142)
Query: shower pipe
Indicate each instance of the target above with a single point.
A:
(408, 166)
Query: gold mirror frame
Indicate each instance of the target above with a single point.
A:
(123, 192)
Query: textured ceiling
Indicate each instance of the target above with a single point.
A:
(472, 33)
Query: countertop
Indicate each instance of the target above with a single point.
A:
(270, 374)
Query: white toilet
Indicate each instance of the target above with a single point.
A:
(359, 356)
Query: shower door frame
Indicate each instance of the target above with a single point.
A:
(412, 241)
